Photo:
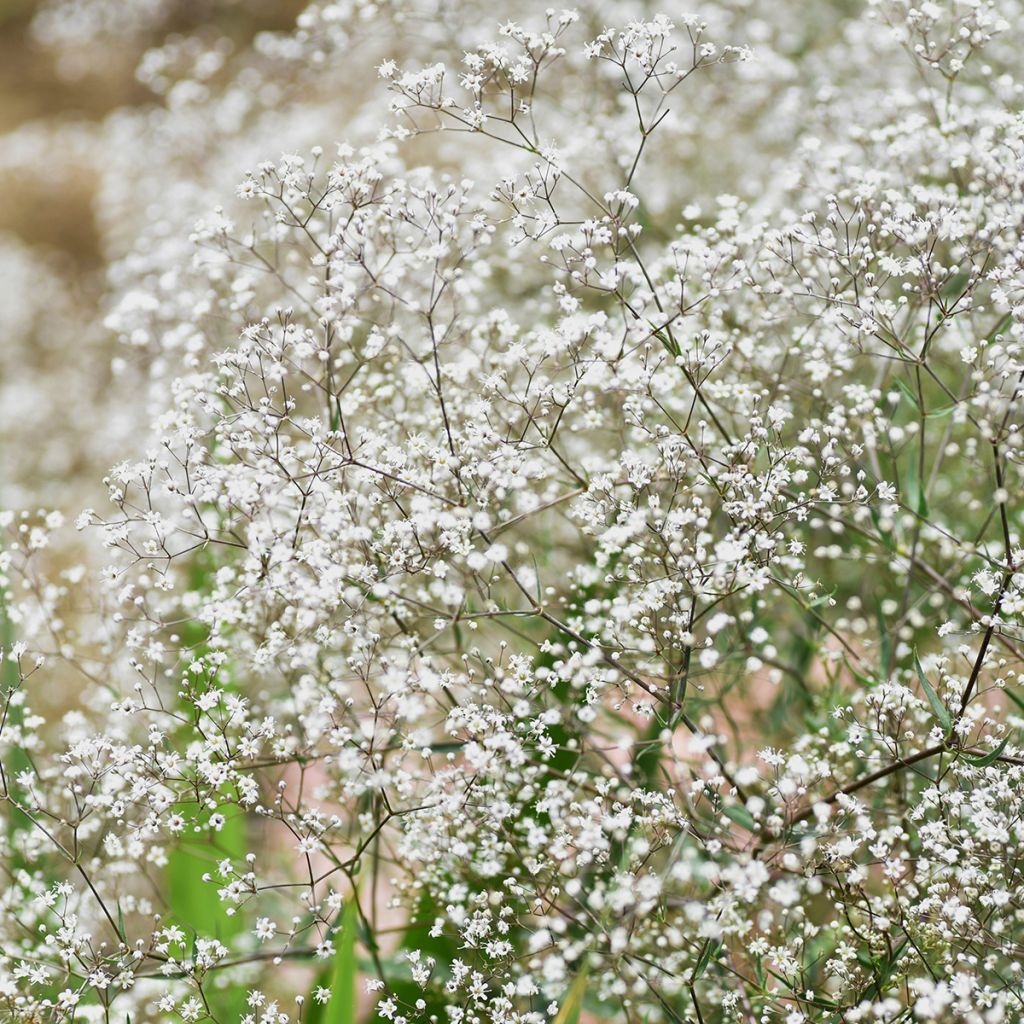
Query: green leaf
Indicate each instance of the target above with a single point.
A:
(18, 759)
(569, 1011)
(710, 950)
(885, 641)
(442, 947)
(885, 536)
(941, 712)
(195, 904)
(956, 284)
(916, 501)
(742, 817)
(1016, 700)
(343, 1006)
(884, 971)
(859, 676)
(991, 757)
(908, 394)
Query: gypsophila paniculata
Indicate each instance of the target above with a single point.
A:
(567, 559)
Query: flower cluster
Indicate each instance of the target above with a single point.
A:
(569, 560)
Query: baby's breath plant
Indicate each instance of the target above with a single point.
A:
(563, 570)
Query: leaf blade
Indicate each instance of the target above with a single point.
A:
(991, 757)
(342, 976)
(572, 1004)
(938, 708)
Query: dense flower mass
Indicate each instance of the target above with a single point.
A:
(563, 556)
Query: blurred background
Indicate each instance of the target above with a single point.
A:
(75, 63)
(71, 208)
(124, 121)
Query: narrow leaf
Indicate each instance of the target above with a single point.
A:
(885, 641)
(941, 712)
(342, 1007)
(991, 757)
(740, 815)
(710, 950)
(914, 490)
(907, 393)
(884, 973)
(195, 903)
(1016, 700)
(569, 1011)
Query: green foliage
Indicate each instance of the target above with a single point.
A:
(939, 709)
(342, 975)
(195, 904)
(569, 1010)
